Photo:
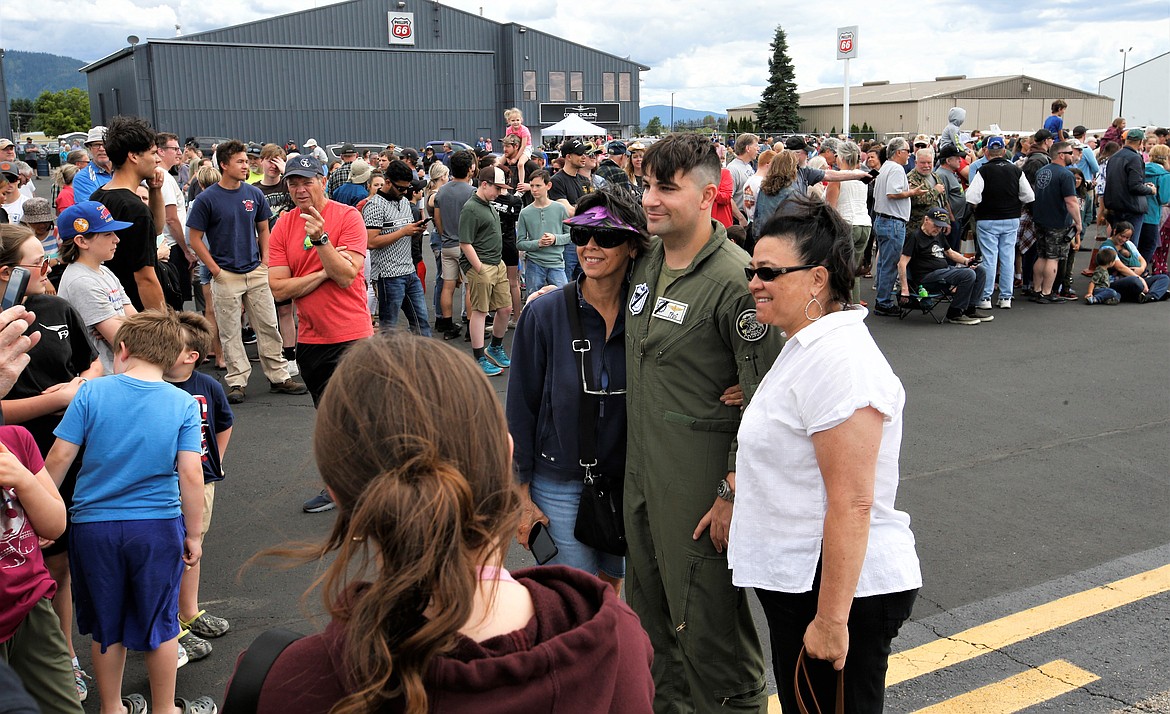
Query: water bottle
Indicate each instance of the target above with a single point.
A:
(922, 292)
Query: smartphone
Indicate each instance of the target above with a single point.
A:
(541, 543)
(14, 293)
(423, 221)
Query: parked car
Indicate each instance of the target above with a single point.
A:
(437, 145)
(333, 151)
(207, 142)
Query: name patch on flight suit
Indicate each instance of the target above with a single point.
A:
(670, 310)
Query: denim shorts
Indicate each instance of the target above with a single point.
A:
(559, 500)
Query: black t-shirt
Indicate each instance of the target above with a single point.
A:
(215, 415)
(279, 199)
(137, 247)
(507, 206)
(926, 253)
(513, 177)
(570, 188)
(64, 351)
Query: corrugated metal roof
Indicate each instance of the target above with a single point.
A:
(915, 91)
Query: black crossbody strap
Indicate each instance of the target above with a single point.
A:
(243, 696)
(587, 417)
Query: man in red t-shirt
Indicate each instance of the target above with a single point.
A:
(316, 259)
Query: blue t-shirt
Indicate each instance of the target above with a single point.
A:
(88, 180)
(215, 415)
(128, 470)
(228, 219)
(1054, 124)
(351, 194)
(1054, 183)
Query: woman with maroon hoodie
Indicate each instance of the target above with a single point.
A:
(424, 616)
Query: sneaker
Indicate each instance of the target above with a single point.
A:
(497, 354)
(453, 332)
(79, 677)
(983, 305)
(1069, 294)
(288, 386)
(236, 395)
(488, 367)
(248, 335)
(1040, 299)
(883, 311)
(1143, 298)
(195, 647)
(293, 369)
(1028, 292)
(1054, 298)
(491, 320)
(206, 625)
(962, 319)
(980, 315)
(1111, 301)
(1004, 304)
(183, 658)
(511, 324)
(319, 503)
(202, 705)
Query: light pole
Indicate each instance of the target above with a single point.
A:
(1121, 101)
(672, 108)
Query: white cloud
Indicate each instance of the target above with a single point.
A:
(709, 58)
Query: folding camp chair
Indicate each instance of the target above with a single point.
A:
(925, 303)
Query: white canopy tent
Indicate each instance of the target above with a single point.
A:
(573, 125)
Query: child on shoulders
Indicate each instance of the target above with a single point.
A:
(515, 119)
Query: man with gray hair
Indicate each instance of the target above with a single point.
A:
(747, 148)
(100, 169)
(826, 158)
(923, 176)
(891, 205)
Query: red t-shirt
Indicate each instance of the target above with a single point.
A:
(721, 210)
(330, 314)
(24, 579)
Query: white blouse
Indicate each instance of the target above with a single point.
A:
(825, 373)
(851, 203)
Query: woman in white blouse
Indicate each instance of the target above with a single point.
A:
(849, 198)
(815, 530)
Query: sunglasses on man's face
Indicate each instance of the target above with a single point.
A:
(603, 237)
(769, 274)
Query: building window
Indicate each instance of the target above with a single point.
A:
(624, 87)
(556, 86)
(529, 85)
(576, 86)
(607, 86)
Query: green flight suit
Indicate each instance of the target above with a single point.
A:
(683, 349)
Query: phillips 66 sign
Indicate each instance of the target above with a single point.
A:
(847, 42)
(401, 28)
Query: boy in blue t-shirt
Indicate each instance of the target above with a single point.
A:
(216, 417)
(136, 519)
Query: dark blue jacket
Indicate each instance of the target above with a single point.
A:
(544, 390)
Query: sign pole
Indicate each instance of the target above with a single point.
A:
(846, 50)
(846, 124)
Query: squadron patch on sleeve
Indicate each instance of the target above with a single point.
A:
(749, 328)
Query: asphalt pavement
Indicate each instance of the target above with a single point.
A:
(1034, 469)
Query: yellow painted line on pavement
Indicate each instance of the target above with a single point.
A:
(1017, 692)
(1023, 625)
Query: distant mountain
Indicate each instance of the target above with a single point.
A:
(680, 114)
(30, 73)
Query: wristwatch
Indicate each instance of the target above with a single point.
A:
(725, 491)
(320, 241)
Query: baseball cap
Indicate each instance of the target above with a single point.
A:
(1079, 145)
(948, 151)
(5, 143)
(796, 143)
(1042, 135)
(303, 165)
(1135, 135)
(310, 143)
(9, 171)
(98, 133)
(359, 172)
(965, 138)
(493, 175)
(616, 147)
(939, 217)
(409, 154)
(254, 149)
(995, 142)
(1079, 130)
(37, 210)
(594, 150)
(511, 139)
(87, 217)
(348, 148)
(574, 146)
(922, 139)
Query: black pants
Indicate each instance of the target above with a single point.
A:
(317, 363)
(873, 623)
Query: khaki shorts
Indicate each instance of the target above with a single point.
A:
(450, 260)
(208, 504)
(489, 291)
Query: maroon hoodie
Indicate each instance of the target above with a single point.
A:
(583, 653)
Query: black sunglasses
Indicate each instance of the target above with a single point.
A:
(770, 274)
(604, 237)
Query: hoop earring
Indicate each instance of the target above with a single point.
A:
(820, 308)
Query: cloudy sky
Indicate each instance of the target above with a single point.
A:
(709, 61)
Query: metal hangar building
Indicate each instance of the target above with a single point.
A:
(383, 71)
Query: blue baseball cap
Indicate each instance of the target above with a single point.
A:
(87, 217)
(304, 165)
(995, 142)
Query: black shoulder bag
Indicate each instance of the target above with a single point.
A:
(243, 696)
(600, 521)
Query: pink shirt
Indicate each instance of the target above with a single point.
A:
(24, 579)
(522, 132)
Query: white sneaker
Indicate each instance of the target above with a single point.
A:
(983, 305)
(1005, 303)
(183, 659)
(294, 370)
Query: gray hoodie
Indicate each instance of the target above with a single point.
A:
(950, 135)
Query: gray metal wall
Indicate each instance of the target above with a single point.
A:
(385, 96)
(114, 88)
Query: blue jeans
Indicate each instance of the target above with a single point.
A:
(559, 500)
(403, 292)
(1129, 287)
(537, 276)
(997, 245)
(891, 235)
(964, 280)
(572, 267)
(1103, 294)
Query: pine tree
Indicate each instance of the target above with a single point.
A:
(780, 102)
(732, 126)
